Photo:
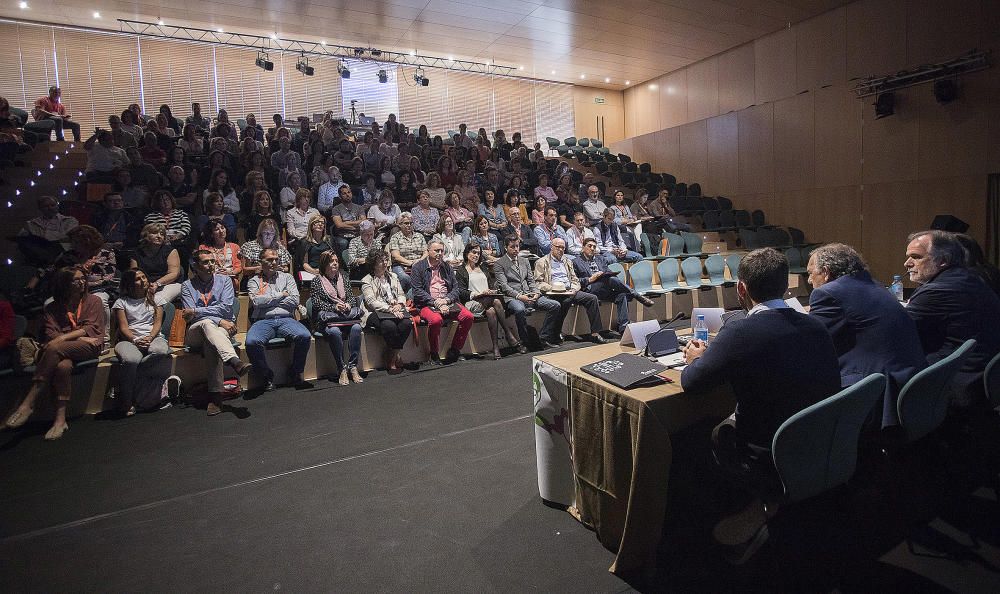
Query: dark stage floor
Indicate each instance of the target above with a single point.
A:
(421, 482)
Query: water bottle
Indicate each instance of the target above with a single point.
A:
(897, 288)
(701, 329)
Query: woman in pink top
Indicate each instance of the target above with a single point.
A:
(461, 216)
(544, 191)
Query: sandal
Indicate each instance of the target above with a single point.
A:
(17, 418)
(56, 432)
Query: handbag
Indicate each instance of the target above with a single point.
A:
(334, 317)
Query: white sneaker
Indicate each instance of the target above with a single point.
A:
(171, 390)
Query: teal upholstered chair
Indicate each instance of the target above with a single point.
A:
(733, 263)
(692, 271)
(923, 401)
(716, 267)
(692, 242)
(642, 278)
(675, 244)
(669, 271)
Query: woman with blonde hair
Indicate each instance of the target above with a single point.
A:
(316, 244)
(159, 261)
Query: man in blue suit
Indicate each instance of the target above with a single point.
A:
(595, 278)
(870, 329)
(951, 305)
(778, 362)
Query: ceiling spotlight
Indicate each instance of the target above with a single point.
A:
(23, 5)
(451, 59)
(302, 65)
(583, 76)
(553, 72)
(343, 70)
(219, 30)
(884, 105)
(420, 79)
(97, 15)
(274, 36)
(413, 52)
(376, 53)
(264, 62)
(607, 80)
(628, 82)
(359, 51)
(383, 76)
(160, 22)
(322, 42)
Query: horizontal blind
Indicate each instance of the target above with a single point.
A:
(470, 100)
(37, 62)
(73, 51)
(10, 69)
(374, 99)
(553, 112)
(114, 73)
(424, 105)
(515, 107)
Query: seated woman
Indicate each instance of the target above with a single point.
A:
(219, 183)
(385, 213)
(466, 187)
(454, 245)
(267, 238)
(446, 168)
(263, 208)
(316, 243)
(336, 309)
(425, 216)
(293, 183)
(385, 308)
(482, 236)
(174, 220)
(191, 142)
(406, 191)
(133, 195)
(175, 158)
(320, 173)
(370, 192)
(538, 211)
(413, 166)
(478, 289)
(459, 214)
(385, 172)
(160, 261)
(544, 191)
(214, 210)
(141, 348)
(297, 218)
(97, 262)
(253, 182)
(565, 187)
(359, 248)
(73, 329)
(436, 192)
(225, 253)
(493, 212)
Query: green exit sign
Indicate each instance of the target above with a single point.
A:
(599, 100)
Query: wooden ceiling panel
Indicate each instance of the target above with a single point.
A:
(632, 40)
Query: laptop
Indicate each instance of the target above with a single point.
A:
(713, 317)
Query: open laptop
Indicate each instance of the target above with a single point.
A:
(713, 317)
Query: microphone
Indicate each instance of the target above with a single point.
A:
(679, 316)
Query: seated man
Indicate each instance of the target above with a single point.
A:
(778, 362)
(516, 227)
(119, 226)
(119, 135)
(951, 305)
(548, 231)
(594, 206)
(611, 242)
(346, 218)
(435, 293)
(207, 305)
(569, 209)
(557, 280)
(40, 238)
(275, 299)
(201, 123)
(405, 248)
(871, 332)
(578, 234)
(52, 108)
(103, 157)
(516, 280)
(595, 278)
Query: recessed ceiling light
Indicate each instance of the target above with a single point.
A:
(583, 76)
(23, 5)
(413, 52)
(219, 30)
(97, 15)
(671, 90)
(607, 80)
(160, 22)
(652, 87)
(520, 67)
(451, 59)
(553, 72)
(628, 82)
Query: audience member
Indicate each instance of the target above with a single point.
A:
(215, 210)
(119, 136)
(610, 241)
(183, 192)
(778, 362)
(316, 244)
(459, 214)
(454, 245)
(359, 248)
(594, 206)
(219, 183)
(337, 310)
(436, 296)
(951, 305)
(197, 120)
(73, 329)
(492, 211)
(406, 248)
(190, 141)
(385, 308)
(477, 289)
(548, 231)
(297, 218)
(385, 214)
(115, 224)
(207, 306)
(425, 217)
(103, 157)
(596, 278)
(142, 351)
(518, 229)
(329, 193)
(577, 234)
(437, 194)
(481, 236)
(51, 108)
(267, 238)
(225, 253)
(176, 222)
(976, 262)
(160, 261)
(557, 280)
(135, 196)
(346, 218)
(263, 208)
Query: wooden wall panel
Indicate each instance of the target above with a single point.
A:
(673, 99)
(736, 79)
(952, 138)
(693, 164)
(889, 145)
(723, 155)
(645, 149)
(876, 37)
(774, 66)
(666, 147)
(586, 112)
(938, 30)
(838, 137)
(629, 99)
(703, 89)
(821, 50)
(794, 143)
(756, 149)
(647, 108)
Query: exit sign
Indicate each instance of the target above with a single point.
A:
(599, 100)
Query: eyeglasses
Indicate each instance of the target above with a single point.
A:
(269, 260)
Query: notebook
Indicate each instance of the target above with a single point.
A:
(627, 371)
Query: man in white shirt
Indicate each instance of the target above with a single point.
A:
(329, 193)
(275, 299)
(577, 234)
(103, 157)
(51, 225)
(593, 205)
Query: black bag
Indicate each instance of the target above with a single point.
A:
(334, 317)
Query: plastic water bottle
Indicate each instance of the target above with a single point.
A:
(701, 329)
(897, 288)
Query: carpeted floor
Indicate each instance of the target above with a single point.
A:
(420, 482)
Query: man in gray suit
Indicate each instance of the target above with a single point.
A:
(515, 279)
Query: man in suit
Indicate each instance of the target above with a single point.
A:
(556, 279)
(597, 279)
(515, 226)
(951, 305)
(870, 330)
(778, 362)
(516, 280)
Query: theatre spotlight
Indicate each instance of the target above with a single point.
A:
(884, 103)
(343, 70)
(383, 76)
(420, 79)
(945, 91)
(375, 53)
(359, 51)
(264, 62)
(302, 65)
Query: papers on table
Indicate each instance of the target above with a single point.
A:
(673, 360)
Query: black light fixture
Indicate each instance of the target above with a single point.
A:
(884, 104)
(343, 70)
(383, 76)
(264, 62)
(375, 52)
(302, 65)
(945, 91)
(420, 79)
(359, 51)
